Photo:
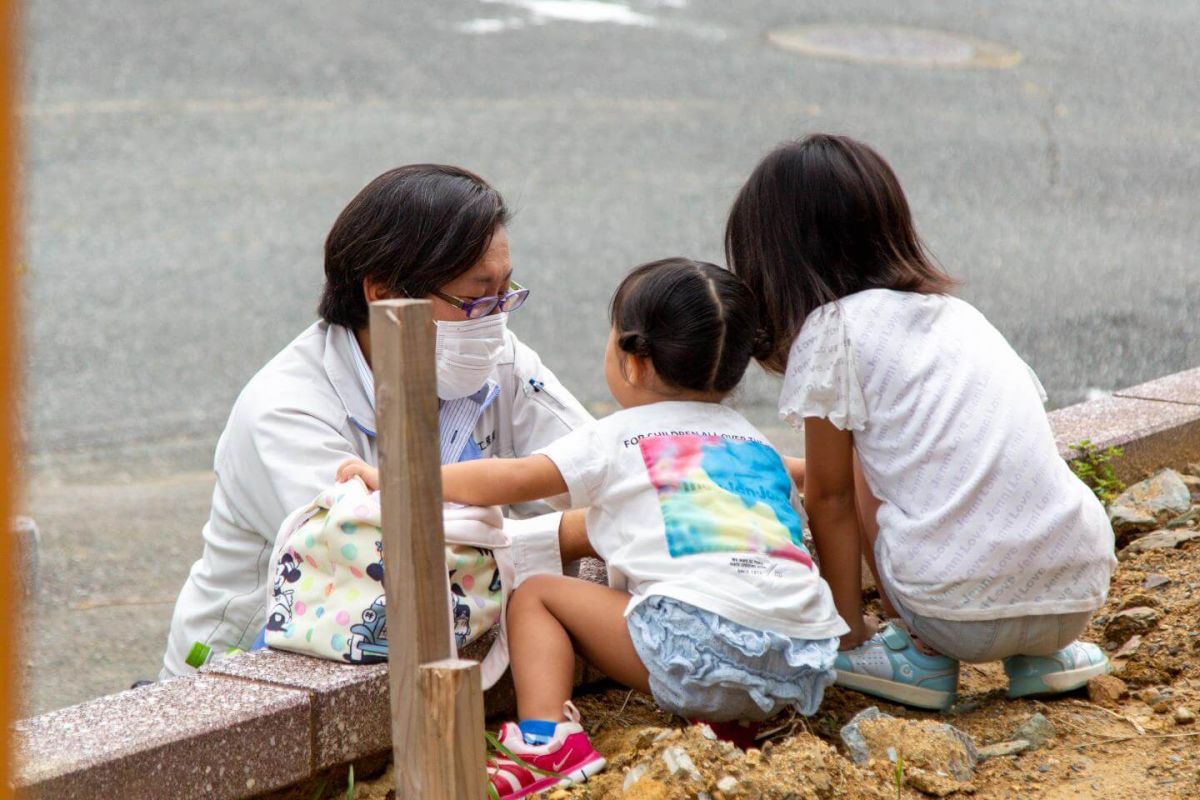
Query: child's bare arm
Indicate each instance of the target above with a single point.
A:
(501, 481)
(358, 468)
(830, 501)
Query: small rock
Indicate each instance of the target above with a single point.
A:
(1154, 581)
(1106, 690)
(1162, 496)
(727, 783)
(1184, 520)
(1193, 484)
(1138, 599)
(1037, 730)
(680, 763)
(1159, 540)
(932, 783)
(1184, 716)
(669, 733)
(1131, 621)
(1128, 523)
(1128, 648)
(852, 737)
(1004, 749)
(634, 775)
(1043, 767)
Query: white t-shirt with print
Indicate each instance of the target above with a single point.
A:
(687, 500)
(980, 517)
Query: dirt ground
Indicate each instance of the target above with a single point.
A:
(1140, 740)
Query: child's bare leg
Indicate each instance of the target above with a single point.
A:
(549, 616)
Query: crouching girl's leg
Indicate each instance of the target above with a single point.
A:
(550, 618)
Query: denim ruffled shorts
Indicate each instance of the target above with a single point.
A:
(705, 667)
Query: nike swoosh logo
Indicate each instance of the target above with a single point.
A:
(558, 767)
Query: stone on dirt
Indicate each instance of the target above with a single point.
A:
(933, 783)
(1184, 716)
(1125, 624)
(1188, 520)
(1155, 581)
(1150, 502)
(1159, 540)
(1193, 484)
(679, 763)
(1107, 690)
(1000, 749)
(935, 747)
(1037, 730)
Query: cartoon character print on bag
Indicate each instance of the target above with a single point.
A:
(461, 612)
(286, 572)
(368, 639)
(467, 603)
(375, 571)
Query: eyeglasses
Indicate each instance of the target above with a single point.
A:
(511, 300)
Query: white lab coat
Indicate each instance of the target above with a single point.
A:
(303, 414)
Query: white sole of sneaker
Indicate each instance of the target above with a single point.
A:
(916, 696)
(1069, 680)
(577, 776)
(583, 773)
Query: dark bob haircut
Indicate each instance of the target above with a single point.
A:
(818, 220)
(696, 322)
(411, 230)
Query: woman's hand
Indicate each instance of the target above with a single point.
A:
(357, 468)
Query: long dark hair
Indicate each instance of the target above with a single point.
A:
(817, 220)
(411, 230)
(696, 322)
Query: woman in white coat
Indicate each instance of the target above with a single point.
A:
(426, 231)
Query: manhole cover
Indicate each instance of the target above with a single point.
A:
(885, 44)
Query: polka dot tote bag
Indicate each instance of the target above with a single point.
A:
(327, 599)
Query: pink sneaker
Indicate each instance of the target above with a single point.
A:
(567, 758)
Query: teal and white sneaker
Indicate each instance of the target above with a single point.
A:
(1069, 668)
(889, 665)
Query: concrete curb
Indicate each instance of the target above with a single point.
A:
(262, 722)
(1156, 423)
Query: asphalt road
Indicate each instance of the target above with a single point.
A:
(184, 162)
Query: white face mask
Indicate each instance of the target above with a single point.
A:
(466, 353)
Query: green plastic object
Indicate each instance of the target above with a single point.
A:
(198, 655)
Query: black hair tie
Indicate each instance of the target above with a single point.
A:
(764, 344)
(634, 343)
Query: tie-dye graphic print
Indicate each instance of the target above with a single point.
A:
(723, 496)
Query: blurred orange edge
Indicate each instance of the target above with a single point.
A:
(10, 481)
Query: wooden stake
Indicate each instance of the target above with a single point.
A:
(454, 745)
(414, 561)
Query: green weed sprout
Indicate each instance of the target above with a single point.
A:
(1094, 467)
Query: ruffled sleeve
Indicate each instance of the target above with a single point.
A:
(822, 377)
(1037, 384)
